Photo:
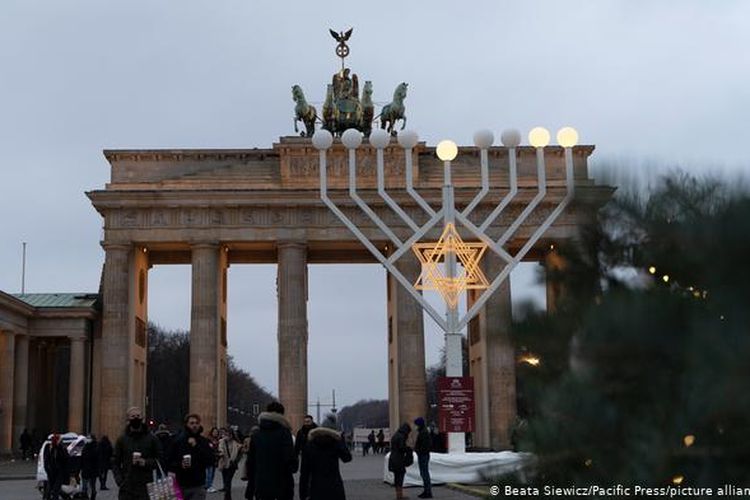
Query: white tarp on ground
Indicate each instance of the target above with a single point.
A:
(464, 468)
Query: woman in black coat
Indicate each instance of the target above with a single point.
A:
(400, 458)
(320, 478)
(271, 461)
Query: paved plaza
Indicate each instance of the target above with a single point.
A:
(363, 478)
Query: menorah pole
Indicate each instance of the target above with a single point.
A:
(453, 353)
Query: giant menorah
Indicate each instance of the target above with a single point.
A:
(451, 265)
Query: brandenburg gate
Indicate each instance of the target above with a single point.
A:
(216, 208)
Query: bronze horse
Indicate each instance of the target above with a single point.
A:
(304, 112)
(394, 110)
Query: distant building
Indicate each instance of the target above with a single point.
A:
(46, 348)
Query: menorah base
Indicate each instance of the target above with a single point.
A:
(464, 468)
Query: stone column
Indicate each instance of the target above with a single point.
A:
(221, 380)
(291, 283)
(7, 372)
(21, 385)
(205, 328)
(116, 340)
(492, 363)
(77, 384)
(407, 390)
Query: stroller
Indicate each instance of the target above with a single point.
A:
(71, 488)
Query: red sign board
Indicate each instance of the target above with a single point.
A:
(456, 404)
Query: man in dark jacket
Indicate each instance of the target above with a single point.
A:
(422, 448)
(134, 459)
(189, 457)
(320, 478)
(301, 441)
(56, 463)
(90, 467)
(271, 461)
(25, 442)
(398, 461)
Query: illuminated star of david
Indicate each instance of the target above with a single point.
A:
(470, 276)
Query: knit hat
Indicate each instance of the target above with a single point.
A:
(419, 422)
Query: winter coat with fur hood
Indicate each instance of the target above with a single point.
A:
(320, 478)
(271, 461)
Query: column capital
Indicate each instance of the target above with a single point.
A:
(291, 244)
(111, 245)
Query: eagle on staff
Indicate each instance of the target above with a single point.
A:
(342, 49)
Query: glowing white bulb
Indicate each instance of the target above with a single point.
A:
(539, 137)
(567, 137)
(447, 150)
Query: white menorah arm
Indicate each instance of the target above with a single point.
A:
(410, 186)
(484, 169)
(538, 233)
(541, 193)
(434, 314)
(513, 179)
(362, 205)
(417, 236)
(386, 197)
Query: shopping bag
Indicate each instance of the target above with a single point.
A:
(163, 486)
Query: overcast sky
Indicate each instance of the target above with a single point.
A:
(657, 83)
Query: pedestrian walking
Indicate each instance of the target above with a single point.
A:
(90, 467)
(271, 461)
(245, 474)
(105, 461)
(190, 457)
(230, 450)
(372, 442)
(213, 442)
(56, 466)
(165, 443)
(320, 477)
(422, 448)
(381, 442)
(300, 441)
(401, 457)
(24, 441)
(135, 454)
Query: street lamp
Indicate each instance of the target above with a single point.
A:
(450, 249)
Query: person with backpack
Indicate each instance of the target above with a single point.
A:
(400, 458)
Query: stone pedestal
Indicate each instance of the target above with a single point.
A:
(407, 393)
(205, 332)
(492, 363)
(77, 384)
(291, 283)
(21, 385)
(7, 372)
